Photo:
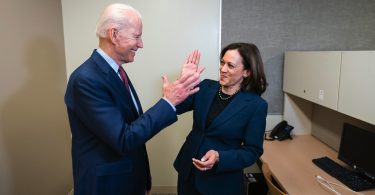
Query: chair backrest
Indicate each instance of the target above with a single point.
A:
(273, 187)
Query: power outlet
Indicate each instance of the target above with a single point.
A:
(321, 94)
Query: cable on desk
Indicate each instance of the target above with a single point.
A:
(329, 185)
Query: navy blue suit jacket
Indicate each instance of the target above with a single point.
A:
(236, 133)
(108, 134)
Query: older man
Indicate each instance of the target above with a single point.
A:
(109, 128)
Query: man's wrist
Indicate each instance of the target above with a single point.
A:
(170, 103)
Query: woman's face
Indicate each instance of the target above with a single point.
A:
(232, 70)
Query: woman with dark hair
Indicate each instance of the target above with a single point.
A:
(229, 119)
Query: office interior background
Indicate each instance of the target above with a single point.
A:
(35, 62)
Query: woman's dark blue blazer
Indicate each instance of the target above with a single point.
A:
(236, 133)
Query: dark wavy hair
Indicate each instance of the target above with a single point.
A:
(252, 61)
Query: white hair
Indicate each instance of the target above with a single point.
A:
(114, 16)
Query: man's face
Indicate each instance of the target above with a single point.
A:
(129, 40)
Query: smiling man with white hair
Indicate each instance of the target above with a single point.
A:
(109, 128)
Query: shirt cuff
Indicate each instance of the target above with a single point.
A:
(174, 108)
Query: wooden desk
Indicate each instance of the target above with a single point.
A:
(290, 162)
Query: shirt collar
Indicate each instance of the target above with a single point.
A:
(108, 59)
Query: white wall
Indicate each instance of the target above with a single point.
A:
(171, 29)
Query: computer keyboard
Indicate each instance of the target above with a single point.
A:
(350, 178)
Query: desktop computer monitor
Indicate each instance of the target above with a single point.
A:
(357, 149)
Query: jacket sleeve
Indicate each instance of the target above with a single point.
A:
(94, 105)
(188, 104)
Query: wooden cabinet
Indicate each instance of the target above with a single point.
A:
(340, 80)
(313, 76)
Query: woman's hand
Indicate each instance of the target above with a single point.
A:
(186, 85)
(207, 161)
(191, 63)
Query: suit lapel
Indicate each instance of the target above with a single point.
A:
(114, 80)
(205, 106)
(135, 97)
(236, 105)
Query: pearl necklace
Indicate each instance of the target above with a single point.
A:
(227, 98)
